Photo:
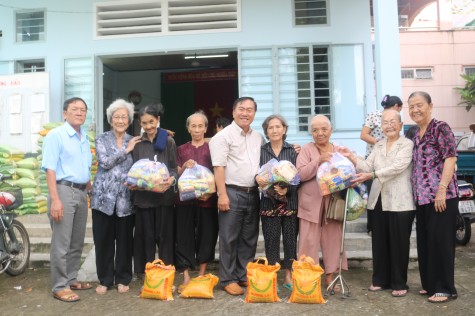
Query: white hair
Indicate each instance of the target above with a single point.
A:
(120, 104)
(321, 116)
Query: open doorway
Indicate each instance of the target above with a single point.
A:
(183, 81)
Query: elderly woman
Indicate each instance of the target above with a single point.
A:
(278, 209)
(154, 218)
(111, 203)
(389, 166)
(372, 132)
(436, 196)
(315, 230)
(196, 220)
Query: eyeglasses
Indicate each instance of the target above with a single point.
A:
(123, 118)
(76, 110)
(391, 122)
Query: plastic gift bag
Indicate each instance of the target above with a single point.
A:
(278, 171)
(357, 201)
(307, 282)
(158, 281)
(335, 175)
(148, 175)
(200, 287)
(196, 183)
(262, 279)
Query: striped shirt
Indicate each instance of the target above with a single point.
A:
(287, 153)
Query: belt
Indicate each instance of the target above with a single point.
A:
(72, 184)
(245, 189)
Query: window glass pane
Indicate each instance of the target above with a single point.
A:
(308, 12)
(30, 26)
(469, 71)
(79, 82)
(407, 73)
(424, 73)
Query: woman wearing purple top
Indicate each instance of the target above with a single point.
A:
(436, 196)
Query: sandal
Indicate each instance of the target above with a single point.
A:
(422, 292)
(101, 289)
(80, 286)
(399, 293)
(122, 288)
(66, 295)
(439, 298)
(373, 288)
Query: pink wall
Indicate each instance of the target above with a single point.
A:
(446, 52)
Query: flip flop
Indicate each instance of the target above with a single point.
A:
(66, 295)
(288, 286)
(373, 288)
(79, 286)
(399, 293)
(121, 288)
(446, 297)
(101, 289)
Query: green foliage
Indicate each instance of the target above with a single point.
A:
(467, 93)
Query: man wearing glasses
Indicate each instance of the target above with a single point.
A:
(67, 162)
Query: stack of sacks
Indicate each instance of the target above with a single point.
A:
(27, 171)
(8, 157)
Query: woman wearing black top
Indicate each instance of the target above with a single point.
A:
(154, 224)
(278, 209)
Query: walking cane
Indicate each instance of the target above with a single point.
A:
(339, 278)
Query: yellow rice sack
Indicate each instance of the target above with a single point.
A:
(158, 281)
(307, 282)
(262, 279)
(200, 287)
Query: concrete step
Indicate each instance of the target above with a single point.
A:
(357, 241)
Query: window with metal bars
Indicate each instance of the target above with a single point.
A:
(310, 12)
(30, 26)
(32, 65)
(416, 73)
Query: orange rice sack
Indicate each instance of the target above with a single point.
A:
(158, 281)
(307, 282)
(262, 279)
(200, 287)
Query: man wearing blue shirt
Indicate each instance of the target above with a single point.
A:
(67, 162)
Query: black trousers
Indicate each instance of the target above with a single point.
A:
(436, 247)
(196, 235)
(391, 243)
(369, 214)
(113, 240)
(154, 227)
(272, 227)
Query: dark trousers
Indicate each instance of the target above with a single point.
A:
(153, 227)
(391, 243)
(369, 214)
(436, 247)
(113, 241)
(196, 235)
(272, 227)
(238, 232)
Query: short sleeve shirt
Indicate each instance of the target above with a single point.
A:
(373, 122)
(429, 154)
(239, 152)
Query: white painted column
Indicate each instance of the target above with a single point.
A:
(387, 55)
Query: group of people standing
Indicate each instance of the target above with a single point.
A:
(129, 224)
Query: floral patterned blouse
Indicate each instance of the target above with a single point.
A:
(109, 192)
(373, 122)
(437, 144)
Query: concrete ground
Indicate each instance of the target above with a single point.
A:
(29, 294)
